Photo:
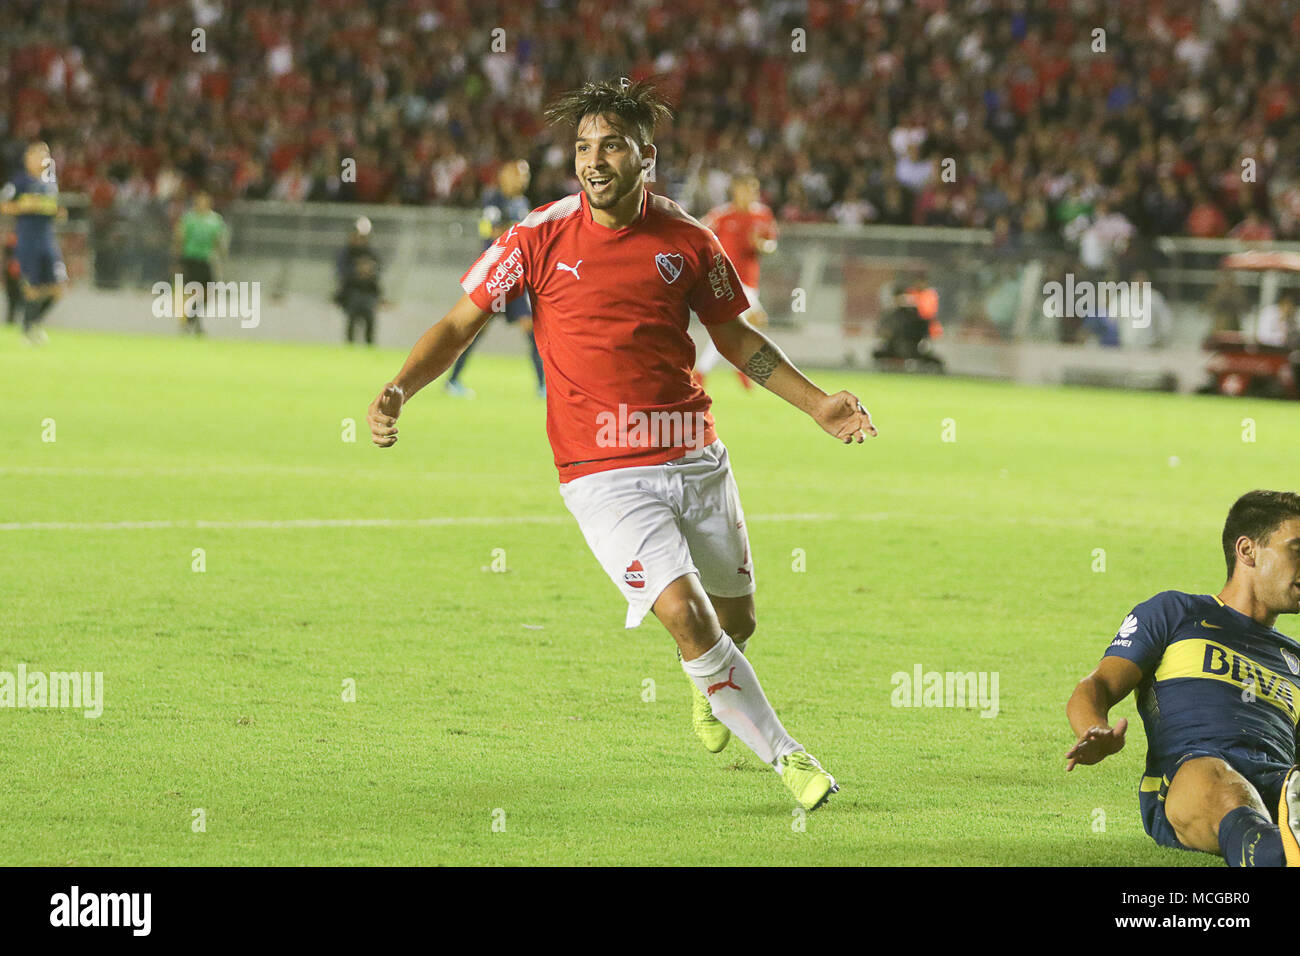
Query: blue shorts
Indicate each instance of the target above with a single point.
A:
(1264, 773)
(40, 262)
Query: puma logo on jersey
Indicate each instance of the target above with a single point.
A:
(726, 683)
(572, 268)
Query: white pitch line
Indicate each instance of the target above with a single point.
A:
(296, 471)
(293, 523)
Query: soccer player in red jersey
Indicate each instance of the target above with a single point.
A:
(747, 230)
(613, 273)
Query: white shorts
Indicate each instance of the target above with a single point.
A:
(751, 293)
(649, 525)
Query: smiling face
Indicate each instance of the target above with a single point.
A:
(607, 162)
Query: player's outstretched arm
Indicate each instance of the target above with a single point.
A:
(431, 356)
(841, 414)
(1089, 711)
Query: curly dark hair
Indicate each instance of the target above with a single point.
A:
(637, 107)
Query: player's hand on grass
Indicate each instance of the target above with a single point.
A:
(843, 416)
(383, 415)
(1097, 744)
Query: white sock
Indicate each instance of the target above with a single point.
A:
(732, 687)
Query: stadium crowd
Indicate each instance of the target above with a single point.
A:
(850, 120)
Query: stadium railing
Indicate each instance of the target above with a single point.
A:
(825, 289)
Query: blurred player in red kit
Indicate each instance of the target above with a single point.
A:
(747, 230)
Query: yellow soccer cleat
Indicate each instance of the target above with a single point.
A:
(807, 780)
(712, 732)
(1288, 816)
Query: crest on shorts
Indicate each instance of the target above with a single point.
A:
(669, 265)
(1292, 662)
(634, 576)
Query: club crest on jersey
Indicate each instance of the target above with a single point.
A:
(1292, 662)
(670, 265)
(634, 576)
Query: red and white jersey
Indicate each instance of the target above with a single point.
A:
(737, 229)
(611, 309)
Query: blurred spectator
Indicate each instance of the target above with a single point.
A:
(358, 269)
(411, 92)
(1227, 303)
(911, 324)
(1252, 229)
(1105, 239)
(1277, 323)
(293, 185)
(1205, 220)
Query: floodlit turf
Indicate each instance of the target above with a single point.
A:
(516, 696)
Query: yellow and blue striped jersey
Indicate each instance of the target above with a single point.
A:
(1212, 678)
(38, 205)
(500, 212)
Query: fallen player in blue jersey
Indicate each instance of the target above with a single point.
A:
(1217, 689)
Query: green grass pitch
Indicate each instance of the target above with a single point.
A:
(486, 696)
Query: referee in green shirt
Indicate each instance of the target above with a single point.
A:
(201, 237)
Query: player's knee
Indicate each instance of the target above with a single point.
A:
(1184, 818)
(1202, 793)
(686, 615)
(1191, 822)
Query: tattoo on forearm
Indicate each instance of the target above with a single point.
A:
(763, 363)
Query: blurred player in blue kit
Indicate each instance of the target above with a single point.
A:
(32, 198)
(503, 208)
